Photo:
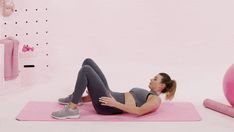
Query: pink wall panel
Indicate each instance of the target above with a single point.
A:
(29, 24)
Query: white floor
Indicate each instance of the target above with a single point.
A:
(16, 96)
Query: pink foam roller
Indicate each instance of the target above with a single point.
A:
(222, 108)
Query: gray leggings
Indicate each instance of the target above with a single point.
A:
(91, 76)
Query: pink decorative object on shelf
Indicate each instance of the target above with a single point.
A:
(26, 48)
(8, 7)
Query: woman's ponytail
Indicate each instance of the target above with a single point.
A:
(171, 91)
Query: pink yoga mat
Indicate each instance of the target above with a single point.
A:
(175, 111)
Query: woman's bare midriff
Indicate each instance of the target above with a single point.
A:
(129, 99)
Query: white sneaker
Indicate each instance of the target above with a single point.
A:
(67, 100)
(66, 113)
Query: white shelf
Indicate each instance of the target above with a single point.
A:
(27, 55)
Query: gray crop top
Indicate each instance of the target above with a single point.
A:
(140, 95)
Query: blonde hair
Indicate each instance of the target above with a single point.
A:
(170, 86)
(171, 92)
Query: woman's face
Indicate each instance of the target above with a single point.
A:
(155, 83)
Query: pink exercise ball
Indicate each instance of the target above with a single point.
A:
(228, 85)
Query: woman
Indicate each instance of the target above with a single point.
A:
(137, 101)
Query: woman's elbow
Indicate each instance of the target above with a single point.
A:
(143, 112)
(140, 113)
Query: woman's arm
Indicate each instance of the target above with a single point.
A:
(152, 103)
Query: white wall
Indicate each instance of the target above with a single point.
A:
(132, 40)
(1, 66)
